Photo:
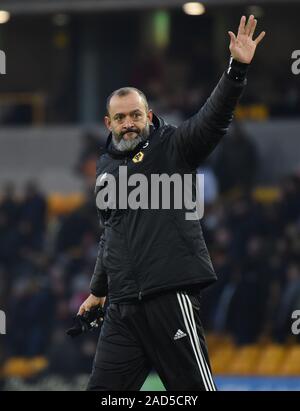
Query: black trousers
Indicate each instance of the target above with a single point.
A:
(164, 333)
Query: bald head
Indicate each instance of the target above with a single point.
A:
(124, 91)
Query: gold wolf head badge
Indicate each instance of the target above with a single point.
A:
(138, 157)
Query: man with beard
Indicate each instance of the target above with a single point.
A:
(153, 263)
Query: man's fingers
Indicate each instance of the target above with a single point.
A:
(241, 29)
(82, 310)
(232, 37)
(253, 28)
(248, 26)
(260, 37)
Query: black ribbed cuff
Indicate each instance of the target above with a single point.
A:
(237, 71)
(97, 294)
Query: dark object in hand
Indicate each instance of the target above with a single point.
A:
(90, 320)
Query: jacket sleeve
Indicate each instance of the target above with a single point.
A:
(98, 285)
(197, 137)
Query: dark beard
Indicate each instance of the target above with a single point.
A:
(128, 145)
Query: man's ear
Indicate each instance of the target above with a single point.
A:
(150, 115)
(107, 122)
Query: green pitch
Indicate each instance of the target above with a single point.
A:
(153, 383)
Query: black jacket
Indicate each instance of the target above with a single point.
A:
(147, 251)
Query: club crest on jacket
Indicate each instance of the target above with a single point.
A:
(138, 157)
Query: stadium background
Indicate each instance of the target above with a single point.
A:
(63, 57)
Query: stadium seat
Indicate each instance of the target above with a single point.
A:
(61, 204)
(24, 367)
(271, 359)
(244, 361)
(291, 364)
(221, 359)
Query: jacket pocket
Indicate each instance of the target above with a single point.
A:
(113, 250)
(182, 236)
(189, 242)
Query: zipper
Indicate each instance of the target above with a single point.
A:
(127, 244)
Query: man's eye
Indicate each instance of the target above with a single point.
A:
(137, 115)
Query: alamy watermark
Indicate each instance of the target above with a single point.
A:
(296, 323)
(153, 192)
(2, 322)
(296, 64)
(2, 62)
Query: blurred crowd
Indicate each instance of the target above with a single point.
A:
(177, 82)
(46, 261)
(255, 249)
(45, 268)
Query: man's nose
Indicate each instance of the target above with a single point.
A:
(128, 123)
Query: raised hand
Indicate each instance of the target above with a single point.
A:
(242, 47)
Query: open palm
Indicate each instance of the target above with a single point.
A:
(242, 47)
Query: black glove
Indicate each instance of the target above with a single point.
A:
(90, 320)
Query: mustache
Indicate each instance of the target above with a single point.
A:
(130, 130)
